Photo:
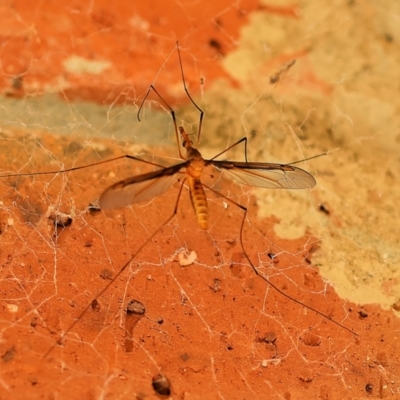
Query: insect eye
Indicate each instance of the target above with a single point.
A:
(184, 142)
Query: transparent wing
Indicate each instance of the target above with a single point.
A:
(267, 175)
(141, 187)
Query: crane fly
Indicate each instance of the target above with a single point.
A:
(148, 185)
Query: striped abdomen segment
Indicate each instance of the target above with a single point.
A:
(199, 201)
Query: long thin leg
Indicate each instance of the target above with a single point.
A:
(309, 158)
(84, 166)
(265, 278)
(171, 111)
(190, 97)
(149, 239)
(243, 139)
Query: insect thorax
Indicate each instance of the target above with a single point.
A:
(195, 168)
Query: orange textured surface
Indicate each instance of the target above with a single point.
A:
(198, 318)
(212, 328)
(134, 37)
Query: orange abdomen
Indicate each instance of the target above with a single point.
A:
(199, 201)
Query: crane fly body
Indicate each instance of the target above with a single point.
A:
(148, 185)
(193, 173)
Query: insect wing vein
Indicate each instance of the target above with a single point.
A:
(141, 187)
(267, 175)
